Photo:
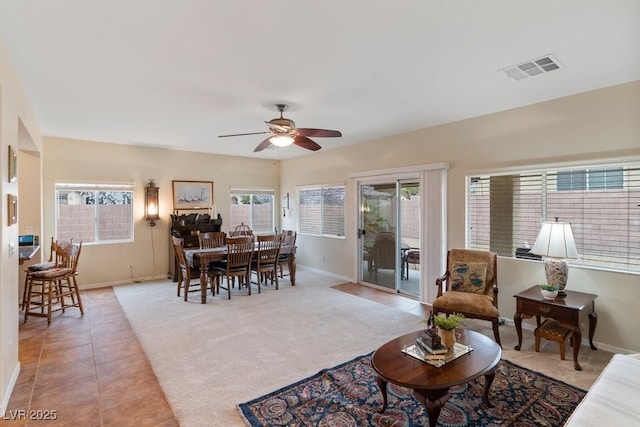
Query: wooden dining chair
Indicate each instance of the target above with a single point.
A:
(185, 273)
(288, 239)
(237, 264)
(212, 239)
(266, 263)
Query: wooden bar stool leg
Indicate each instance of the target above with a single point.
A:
(49, 300)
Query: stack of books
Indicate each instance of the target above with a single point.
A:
(428, 346)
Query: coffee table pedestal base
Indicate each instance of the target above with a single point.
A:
(434, 399)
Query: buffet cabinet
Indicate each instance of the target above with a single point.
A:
(187, 227)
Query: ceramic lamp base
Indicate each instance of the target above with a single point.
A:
(557, 271)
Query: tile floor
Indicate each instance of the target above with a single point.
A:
(92, 371)
(86, 371)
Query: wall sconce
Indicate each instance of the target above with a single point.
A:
(151, 212)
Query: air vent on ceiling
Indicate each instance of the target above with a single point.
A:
(531, 68)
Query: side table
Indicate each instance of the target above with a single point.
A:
(570, 311)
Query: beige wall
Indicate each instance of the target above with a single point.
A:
(83, 161)
(17, 124)
(598, 125)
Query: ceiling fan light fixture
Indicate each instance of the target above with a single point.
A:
(281, 140)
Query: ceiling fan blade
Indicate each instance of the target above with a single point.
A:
(264, 144)
(242, 134)
(318, 133)
(304, 142)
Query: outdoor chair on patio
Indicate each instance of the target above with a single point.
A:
(384, 253)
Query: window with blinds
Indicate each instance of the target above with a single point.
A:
(253, 207)
(505, 212)
(94, 213)
(321, 211)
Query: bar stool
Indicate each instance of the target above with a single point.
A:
(47, 290)
(52, 262)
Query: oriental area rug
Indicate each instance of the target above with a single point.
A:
(347, 395)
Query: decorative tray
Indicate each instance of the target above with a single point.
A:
(437, 361)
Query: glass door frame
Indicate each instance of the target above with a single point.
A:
(397, 180)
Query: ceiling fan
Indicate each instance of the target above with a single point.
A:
(284, 133)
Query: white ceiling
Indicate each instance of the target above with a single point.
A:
(176, 74)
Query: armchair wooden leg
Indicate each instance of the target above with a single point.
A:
(496, 331)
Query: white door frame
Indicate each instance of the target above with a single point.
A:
(433, 218)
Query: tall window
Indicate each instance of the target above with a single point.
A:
(254, 208)
(322, 211)
(505, 211)
(94, 213)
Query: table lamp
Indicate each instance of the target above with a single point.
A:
(555, 242)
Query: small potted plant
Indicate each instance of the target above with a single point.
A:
(549, 291)
(447, 325)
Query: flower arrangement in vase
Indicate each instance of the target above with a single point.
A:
(446, 327)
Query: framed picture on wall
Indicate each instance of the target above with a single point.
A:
(192, 195)
(13, 164)
(12, 206)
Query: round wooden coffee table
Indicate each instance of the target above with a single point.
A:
(429, 383)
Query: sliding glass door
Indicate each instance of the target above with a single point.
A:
(389, 234)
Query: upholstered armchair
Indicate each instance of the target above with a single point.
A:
(470, 287)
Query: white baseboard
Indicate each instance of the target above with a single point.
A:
(12, 384)
(121, 282)
(326, 273)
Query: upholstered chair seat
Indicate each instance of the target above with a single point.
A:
(470, 303)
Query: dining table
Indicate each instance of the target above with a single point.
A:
(209, 255)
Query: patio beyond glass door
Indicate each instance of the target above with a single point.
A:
(384, 244)
(380, 265)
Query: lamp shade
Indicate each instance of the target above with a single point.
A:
(281, 140)
(555, 240)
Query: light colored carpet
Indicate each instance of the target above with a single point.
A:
(209, 358)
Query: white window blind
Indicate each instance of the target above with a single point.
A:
(505, 211)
